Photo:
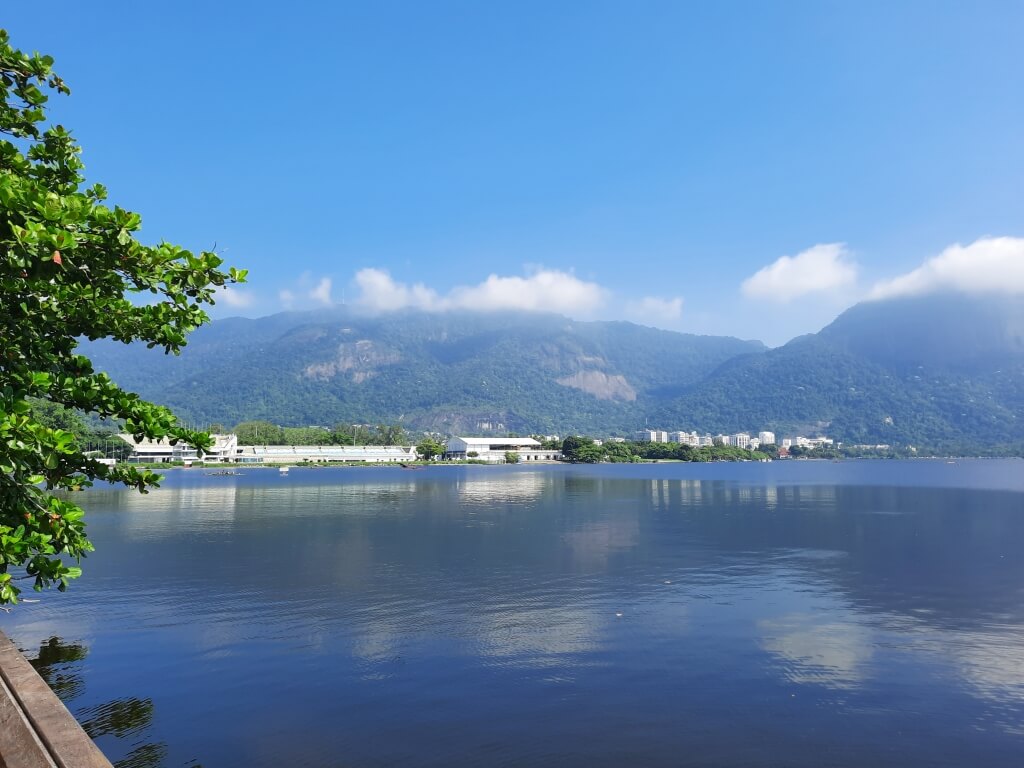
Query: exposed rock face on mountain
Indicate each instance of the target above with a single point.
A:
(600, 385)
(936, 370)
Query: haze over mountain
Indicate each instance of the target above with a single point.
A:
(940, 370)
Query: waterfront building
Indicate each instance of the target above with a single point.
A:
(740, 440)
(493, 449)
(225, 449)
(808, 442)
(325, 454)
(158, 451)
(161, 451)
(766, 438)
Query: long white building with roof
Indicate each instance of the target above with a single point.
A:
(225, 448)
(493, 449)
(325, 454)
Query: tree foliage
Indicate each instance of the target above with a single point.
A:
(71, 268)
(581, 450)
(429, 448)
(266, 433)
(584, 450)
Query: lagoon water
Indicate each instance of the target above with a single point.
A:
(793, 613)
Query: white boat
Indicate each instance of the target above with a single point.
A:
(283, 470)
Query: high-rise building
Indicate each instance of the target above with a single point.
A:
(766, 438)
(652, 436)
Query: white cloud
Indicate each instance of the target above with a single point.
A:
(654, 309)
(287, 298)
(988, 265)
(544, 290)
(321, 293)
(835, 654)
(379, 292)
(234, 297)
(823, 267)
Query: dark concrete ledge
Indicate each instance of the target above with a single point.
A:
(36, 729)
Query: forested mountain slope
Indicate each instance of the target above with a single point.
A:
(937, 370)
(458, 372)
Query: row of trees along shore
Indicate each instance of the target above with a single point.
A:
(585, 450)
(266, 433)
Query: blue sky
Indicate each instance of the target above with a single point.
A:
(645, 161)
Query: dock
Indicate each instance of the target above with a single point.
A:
(36, 729)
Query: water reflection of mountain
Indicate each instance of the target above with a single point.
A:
(378, 606)
(944, 556)
(898, 554)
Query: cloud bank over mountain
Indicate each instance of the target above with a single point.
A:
(545, 290)
(988, 265)
(821, 268)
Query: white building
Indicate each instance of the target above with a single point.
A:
(740, 440)
(225, 449)
(325, 454)
(684, 438)
(493, 449)
(807, 442)
(159, 451)
(766, 438)
(651, 436)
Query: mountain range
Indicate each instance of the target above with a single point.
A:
(938, 370)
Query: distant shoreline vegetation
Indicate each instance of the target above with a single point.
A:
(101, 438)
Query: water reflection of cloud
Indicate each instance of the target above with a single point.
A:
(538, 637)
(593, 543)
(833, 654)
(992, 664)
(379, 640)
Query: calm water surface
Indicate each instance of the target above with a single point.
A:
(797, 614)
